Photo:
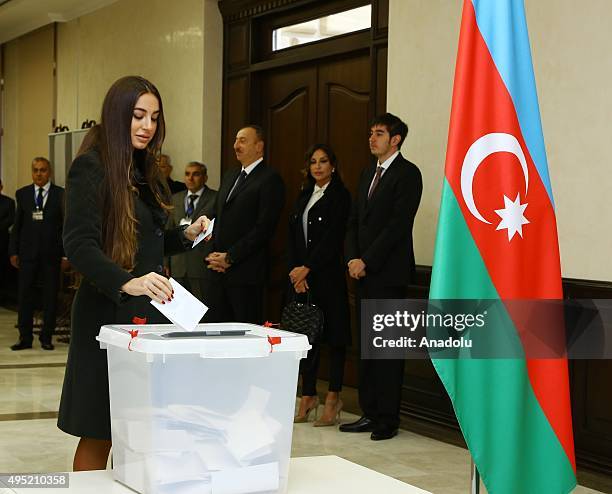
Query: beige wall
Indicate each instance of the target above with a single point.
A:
(167, 44)
(163, 44)
(570, 48)
(213, 91)
(422, 48)
(28, 105)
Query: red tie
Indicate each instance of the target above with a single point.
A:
(379, 170)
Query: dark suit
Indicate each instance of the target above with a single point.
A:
(323, 254)
(175, 186)
(380, 233)
(189, 268)
(244, 227)
(39, 247)
(7, 217)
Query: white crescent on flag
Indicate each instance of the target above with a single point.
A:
(496, 142)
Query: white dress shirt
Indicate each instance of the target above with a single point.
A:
(247, 170)
(45, 189)
(195, 202)
(252, 166)
(385, 165)
(317, 193)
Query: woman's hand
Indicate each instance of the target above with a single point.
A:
(197, 227)
(153, 285)
(298, 274)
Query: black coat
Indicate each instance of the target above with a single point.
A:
(84, 408)
(380, 229)
(175, 186)
(33, 240)
(7, 217)
(245, 225)
(324, 256)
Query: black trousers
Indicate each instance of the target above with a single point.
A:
(232, 303)
(4, 267)
(380, 381)
(309, 368)
(29, 273)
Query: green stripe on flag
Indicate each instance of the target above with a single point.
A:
(500, 417)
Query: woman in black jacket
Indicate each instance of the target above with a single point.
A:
(116, 209)
(316, 239)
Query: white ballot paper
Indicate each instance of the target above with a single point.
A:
(204, 234)
(184, 310)
(256, 478)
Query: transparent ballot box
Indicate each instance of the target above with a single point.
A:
(204, 412)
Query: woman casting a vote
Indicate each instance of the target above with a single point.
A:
(116, 209)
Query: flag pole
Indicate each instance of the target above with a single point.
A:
(475, 479)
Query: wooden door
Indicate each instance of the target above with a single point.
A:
(315, 102)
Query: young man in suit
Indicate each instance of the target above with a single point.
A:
(248, 208)
(35, 249)
(188, 268)
(7, 217)
(380, 256)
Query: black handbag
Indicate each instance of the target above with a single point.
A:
(303, 318)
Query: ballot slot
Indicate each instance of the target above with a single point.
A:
(203, 334)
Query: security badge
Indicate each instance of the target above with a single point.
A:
(37, 215)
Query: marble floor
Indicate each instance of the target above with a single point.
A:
(30, 387)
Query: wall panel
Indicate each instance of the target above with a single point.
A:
(28, 101)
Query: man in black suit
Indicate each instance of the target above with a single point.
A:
(165, 167)
(380, 256)
(248, 207)
(36, 251)
(7, 216)
(188, 268)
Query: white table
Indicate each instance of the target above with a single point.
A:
(320, 474)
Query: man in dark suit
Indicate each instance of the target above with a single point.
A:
(36, 251)
(165, 167)
(7, 216)
(189, 269)
(248, 207)
(380, 256)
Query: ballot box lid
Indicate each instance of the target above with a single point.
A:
(223, 340)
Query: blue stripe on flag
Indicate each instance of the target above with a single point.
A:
(503, 26)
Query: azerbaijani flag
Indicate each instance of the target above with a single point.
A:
(497, 239)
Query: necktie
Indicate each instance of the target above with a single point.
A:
(241, 178)
(39, 198)
(379, 170)
(191, 206)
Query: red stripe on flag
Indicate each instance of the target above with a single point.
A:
(524, 267)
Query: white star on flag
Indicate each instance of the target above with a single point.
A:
(512, 217)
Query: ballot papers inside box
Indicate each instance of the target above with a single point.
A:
(208, 412)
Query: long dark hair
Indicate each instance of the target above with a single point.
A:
(309, 181)
(112, 139)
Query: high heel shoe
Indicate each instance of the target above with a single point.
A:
(300, 419)
(335, 418)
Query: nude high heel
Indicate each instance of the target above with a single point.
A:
(300, 419)
(334, 420)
